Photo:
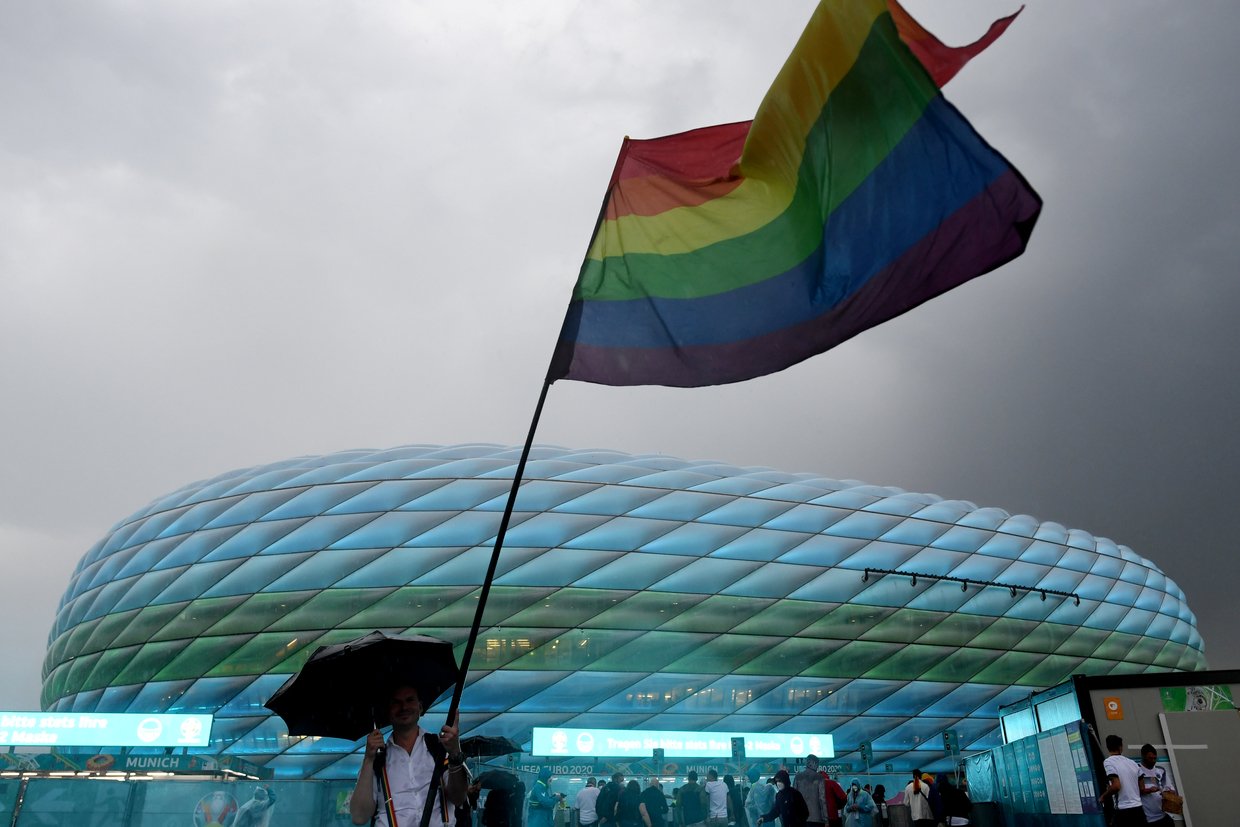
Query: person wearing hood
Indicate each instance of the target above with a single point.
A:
(761, 797)
(859, 807)
(542, 802)
(789, 806)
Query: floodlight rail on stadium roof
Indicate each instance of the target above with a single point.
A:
(965, 582)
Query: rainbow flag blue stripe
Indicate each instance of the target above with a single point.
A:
(856, 193)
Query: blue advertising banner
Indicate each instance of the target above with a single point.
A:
(91, 729)
(629, 743)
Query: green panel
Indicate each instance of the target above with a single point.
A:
(1083, 642)
(650, 652)
(1117, 646)
(1008, 668)
(639, 611)
(76, 641)
(1192, 660)
(107, 628)
(1146, 651)
(79, 671)
(329, 609)
(259, 612)
(269, 652)
(956, 630)
(717, 613)
(201, 657)
(790, 657)
(146, 623)
(911, 662)
(1170, 655)
(409, 605)
(848, 622)
(571, 650)
(785, 618)
(905, 626)
(497, 647)
(853, 659)
(150, 659)
(54, 685)
(57, 648)
(197, 616)
(1005, 633)
(961, 665)
(502, 603)
(723, 655)
(1095, 666)
(1045, 637)
(568, 607)
(108, 666)
(1050, 670)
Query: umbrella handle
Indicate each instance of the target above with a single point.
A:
(381, 752)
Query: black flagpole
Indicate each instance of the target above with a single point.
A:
(553, 373)
(499, 545)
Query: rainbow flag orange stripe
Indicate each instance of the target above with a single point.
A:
(856, 193)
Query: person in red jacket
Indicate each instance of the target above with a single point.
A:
(836, 797)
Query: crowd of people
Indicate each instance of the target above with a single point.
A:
(401, 778)
(810, 799)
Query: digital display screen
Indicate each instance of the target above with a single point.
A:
(91, 729)
(628, 743)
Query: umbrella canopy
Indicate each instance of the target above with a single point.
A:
(341, 692)
(479, 746)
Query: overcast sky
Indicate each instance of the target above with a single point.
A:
(235, 232)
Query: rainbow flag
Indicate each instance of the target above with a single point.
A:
(856, 193)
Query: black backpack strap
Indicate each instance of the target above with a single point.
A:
(440, 755)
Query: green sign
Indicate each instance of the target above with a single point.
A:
(1196, 698)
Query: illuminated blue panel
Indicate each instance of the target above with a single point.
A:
(579, 689)
(761, 544)
(617, 534)
(388, 495)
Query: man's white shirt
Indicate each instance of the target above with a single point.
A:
(586, 799)
(1129, 795)
(409, 775)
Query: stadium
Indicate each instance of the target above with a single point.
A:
(633, 592)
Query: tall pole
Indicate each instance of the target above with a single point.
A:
(498, 547)
(454, 707)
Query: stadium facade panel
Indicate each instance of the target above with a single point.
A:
(633, 592)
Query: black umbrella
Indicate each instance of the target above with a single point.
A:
(478, 746)
(341, 690)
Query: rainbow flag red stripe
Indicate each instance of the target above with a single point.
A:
(856, 193)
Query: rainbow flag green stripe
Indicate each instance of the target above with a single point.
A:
(860, 193)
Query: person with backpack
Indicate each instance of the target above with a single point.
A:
(608, 800)
(420, 771)
(693, 801)
(789, 806)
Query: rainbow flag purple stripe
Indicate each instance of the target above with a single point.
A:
(856, 193)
